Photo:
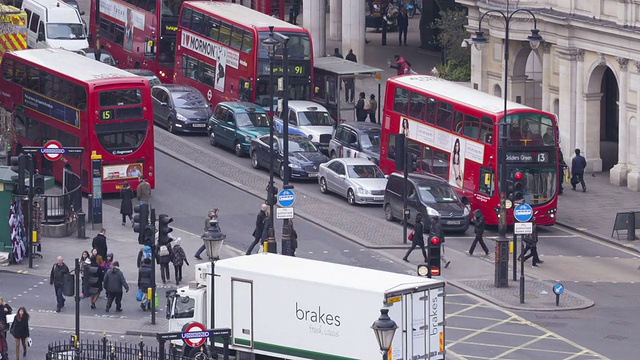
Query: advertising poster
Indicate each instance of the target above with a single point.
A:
(221, 65)
(456, 167)
(121, 172)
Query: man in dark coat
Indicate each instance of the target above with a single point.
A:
(257, 232)
(56, 278)
(5, 309)
(126, 204)
(113, 283)
(578, 164)
(336, 53)
(403, 26)
(145, 280)
(436, 230)
(164, 258)
(479, 225)
(561, 165)
(361, 112)
(417, 239)
(100, 243)
(531, 248)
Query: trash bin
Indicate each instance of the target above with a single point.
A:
(502, 263)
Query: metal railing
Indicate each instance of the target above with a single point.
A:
(104, 349)
(58, 209)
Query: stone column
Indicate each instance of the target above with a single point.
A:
(314, 19)
(547, 70)
(580, 115)
(566, 113)
(618, 174)
(335, 20)
(353, 29)
(633, 180)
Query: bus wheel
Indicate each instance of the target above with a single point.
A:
(238, 148)
(388, 214)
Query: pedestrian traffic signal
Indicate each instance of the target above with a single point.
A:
(518, 185)
(434, 248)
(164, 229)
(272, 196)
(38, 184)
(18, 166)
(140, 221)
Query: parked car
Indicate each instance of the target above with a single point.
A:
(356, 139)
(101, 55)
(304, 157)
(234, 124)
(312, 119)
(147, 74)
(180, 108)
(430, 195)
(357, 179)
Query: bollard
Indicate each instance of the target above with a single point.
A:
(82, 229)
(90, 208)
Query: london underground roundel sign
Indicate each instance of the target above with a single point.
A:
(194, 334)
(52, 150)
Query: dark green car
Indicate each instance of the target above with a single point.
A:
(235, 124)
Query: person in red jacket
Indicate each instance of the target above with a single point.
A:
(402, 66)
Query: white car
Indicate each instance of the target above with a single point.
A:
(357, 179)
(312, 119)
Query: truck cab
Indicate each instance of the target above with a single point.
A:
(189, 303)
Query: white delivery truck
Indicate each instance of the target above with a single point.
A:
(282, 307)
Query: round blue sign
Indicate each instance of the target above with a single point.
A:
(523, 212)
(286, 197)
(558, 289)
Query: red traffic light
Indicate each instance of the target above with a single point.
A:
(435, 271)
(435, 240)
(518, 175)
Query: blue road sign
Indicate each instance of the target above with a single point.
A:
(523, 212)
(558, 289)
(286, 197)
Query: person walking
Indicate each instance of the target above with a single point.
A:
(20, 331)
(145, 280)
(178, 258)
(144, 191)
(144, 253)
(94, 275)
(361, 113)
(164, 258)
(100, 243)
(531, 248)
(257, 231)
(479, 225)
(417, 239)
(210, 216)
(402, 66)
(562, 166)
(436, 230)
(5, 309)
(114, 281)
(126, 204)
(56, 278)
(373, 107)
(3, 342)
(403, 26)
(578, 164)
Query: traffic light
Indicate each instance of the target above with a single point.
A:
(149, 235)
(164, 229)
(272, 196)
(140, 221)
(399, 155)
(38, 183)
(18, 166)
(518, 185)
(434, 256)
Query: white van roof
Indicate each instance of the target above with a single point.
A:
(58, 11)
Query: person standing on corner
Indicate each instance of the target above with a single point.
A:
(179, 257)
(373, 107)
(56, 278)
(479, 225)
(143, 191)
(100, 243)
(126, 204)
(436, 230)
(417, 239)
(578, 164)
(114, 281)
(20, 331)
(164, 258)
(336, 53)
(257, 232)
(384, 10)
(403, 26)
(361, 113)
(531, 241)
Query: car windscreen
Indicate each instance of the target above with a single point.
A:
(314, 118)
(252, 119)
(302, 145)
(153, 80)
(370, 139)
(65, 31)
(431, 192)
(365, 171)
(188, 100)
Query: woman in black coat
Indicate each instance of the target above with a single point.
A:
(20, 331)
(126, 205)
(93, 276)
(418, 239)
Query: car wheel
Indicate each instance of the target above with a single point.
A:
(323, 186)
(170, 126)
(351, 197)
(238, 148)
(254, 160)
(212, 138)
(281, 171)
(388, 214)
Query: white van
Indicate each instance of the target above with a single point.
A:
(54, 24)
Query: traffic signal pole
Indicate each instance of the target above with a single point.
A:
(153, 269)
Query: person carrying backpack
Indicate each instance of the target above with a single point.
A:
(164, 258)
(178, 258)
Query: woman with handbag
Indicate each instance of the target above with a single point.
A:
(20, 331)
(417, 238)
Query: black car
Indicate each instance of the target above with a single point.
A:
(356, 139)
(180, 108)
(304, 157)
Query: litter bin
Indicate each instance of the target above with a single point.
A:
(502, 263)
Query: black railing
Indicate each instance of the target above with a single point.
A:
(58, 209)
(104, 349)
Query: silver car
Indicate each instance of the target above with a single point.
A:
(359, 180)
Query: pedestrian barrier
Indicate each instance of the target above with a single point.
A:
(104, 349)
(626, 221)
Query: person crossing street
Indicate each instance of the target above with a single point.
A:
(479, 225)
(113, 283)
(58, 272)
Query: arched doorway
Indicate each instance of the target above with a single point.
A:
(497, 91)
(609, 120)
(526, 80)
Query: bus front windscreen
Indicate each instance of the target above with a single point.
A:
(540, 185)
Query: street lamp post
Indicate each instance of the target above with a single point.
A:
(478, 40)
(384, 328)
(213, 240)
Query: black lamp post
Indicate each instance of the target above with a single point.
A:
(478, 40)
(213, 240)
(384, 328)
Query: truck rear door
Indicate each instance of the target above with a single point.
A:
(242, 313)
(423, 325)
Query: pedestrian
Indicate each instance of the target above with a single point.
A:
(164, 258)
(417, 238)
(257, 231)
(401, 66)
(114, 281)
(108, 264)
(84, 260)
(144, 253)
(403, 26)
(20, 331)
(436, 230)
(336, 53)
(384, 11)
(126, 204)
(578, 164)
(210, 216)
(94, 275)
(479, 225)
(56, 278)
(144, 191)
(361, 113)
(145, 280)
(531, 247)
(178, 258)
(266, 224)
(351, 56)
(562, 166)
(3, 342)
(100, 243)
(5, 309)
(294, 10)
(373, 107)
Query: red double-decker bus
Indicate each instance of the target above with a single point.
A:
(220, 53)
(58, 95)
(453, 133)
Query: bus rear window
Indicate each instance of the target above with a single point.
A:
(120, 97)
